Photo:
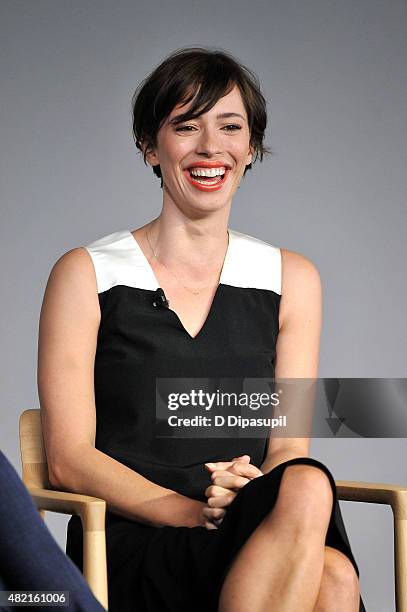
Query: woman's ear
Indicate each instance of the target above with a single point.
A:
(250, 156)
(151, 155)
(152, 158)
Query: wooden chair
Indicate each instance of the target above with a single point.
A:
(396, 497)
(90, 509)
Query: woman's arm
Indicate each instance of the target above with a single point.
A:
(297, 357)
(298, 341)
(68, 329)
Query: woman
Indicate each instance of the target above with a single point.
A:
(259, 526)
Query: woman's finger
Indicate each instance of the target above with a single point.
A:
(213, 516)
(215, 491)
(221, 502)
(240, 468)
(224, 465)
(218, 465)
(247, 470)
(227, 480)
(243, 458)
(213, 513)
(209, 525)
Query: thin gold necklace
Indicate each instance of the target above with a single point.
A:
(194, 291)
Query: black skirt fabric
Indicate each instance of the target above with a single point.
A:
(178, 569)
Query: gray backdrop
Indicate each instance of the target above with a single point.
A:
(334, 75)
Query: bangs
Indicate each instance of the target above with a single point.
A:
(215, 81)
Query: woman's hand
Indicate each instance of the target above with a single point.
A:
(228, 477)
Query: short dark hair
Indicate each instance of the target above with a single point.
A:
(176, 81)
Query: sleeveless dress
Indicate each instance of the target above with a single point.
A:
(175, 569)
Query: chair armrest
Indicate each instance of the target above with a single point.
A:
(91, 510)
(376, 493)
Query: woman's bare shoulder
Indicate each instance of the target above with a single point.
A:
(300, 283)
(296, 267)
(73, 280)
(75, 266)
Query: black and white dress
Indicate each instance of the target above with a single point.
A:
(157, 569)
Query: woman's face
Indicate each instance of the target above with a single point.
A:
(207, 140)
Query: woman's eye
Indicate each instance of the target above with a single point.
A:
(235, 127)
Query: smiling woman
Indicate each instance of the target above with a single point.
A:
(204, 77)
(192, 523)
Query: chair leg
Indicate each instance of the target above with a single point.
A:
(400, 560)
(94, 563)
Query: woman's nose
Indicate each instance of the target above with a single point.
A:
(208, 142)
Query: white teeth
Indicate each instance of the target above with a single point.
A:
(207, 171)
(216, 182)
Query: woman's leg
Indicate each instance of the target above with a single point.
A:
(340, 586)
(30, 559)
(281, 566)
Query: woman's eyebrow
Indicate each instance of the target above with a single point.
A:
(225, 115)
(221, 116)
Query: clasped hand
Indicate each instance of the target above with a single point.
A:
(228, 477)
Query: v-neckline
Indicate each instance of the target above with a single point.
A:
(153, 277)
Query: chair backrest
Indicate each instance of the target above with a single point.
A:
(33, 457)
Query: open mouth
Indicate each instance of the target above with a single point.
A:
(207, 183)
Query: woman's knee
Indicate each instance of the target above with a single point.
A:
(339, 576)
(305, 492)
